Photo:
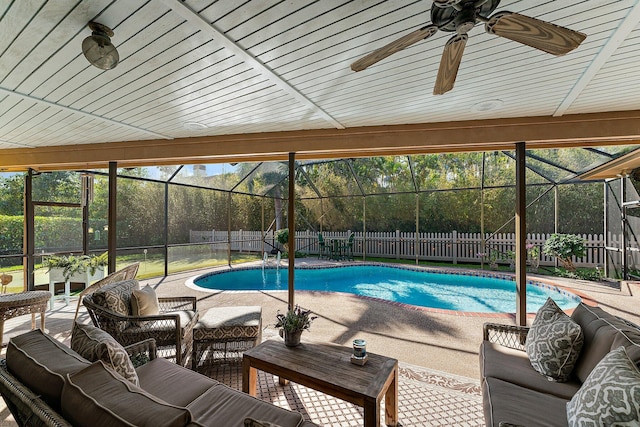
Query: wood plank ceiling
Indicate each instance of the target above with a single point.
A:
(228, 67)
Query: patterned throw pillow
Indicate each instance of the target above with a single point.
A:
(144, 302)
(610, 396)
(95, 344)
(554, 342)
(117, 297)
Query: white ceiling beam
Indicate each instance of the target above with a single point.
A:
(617, 38)
(79, 112)
(194, 19)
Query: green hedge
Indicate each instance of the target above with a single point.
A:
(52, 233)
(11, 234)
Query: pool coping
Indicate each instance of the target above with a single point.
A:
(534, 281)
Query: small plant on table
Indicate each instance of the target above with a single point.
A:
(293, 323)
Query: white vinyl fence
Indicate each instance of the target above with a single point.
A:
(448, 247)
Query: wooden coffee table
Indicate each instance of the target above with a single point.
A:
(327, 368)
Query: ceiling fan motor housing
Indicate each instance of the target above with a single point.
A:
(461, 16)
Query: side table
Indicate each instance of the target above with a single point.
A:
(30, 302)
(327, 368)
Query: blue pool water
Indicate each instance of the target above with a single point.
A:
(421, 288)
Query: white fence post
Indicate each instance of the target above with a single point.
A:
(454, 246)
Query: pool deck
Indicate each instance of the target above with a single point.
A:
(437, 339)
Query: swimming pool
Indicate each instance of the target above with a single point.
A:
(425, 288)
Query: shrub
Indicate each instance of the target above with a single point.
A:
(282, 236)
(564, 247)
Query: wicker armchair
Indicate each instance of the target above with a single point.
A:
(126, 273)
(172, 329)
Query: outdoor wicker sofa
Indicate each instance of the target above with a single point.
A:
(45, 383)
(514, 393)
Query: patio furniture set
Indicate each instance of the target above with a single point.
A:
(45, 382)
(336, 248)
(130, 315)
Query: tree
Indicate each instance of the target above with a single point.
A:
(11, 194)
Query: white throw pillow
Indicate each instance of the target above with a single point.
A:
(144, 302)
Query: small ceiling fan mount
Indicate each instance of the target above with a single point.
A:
(460, 16)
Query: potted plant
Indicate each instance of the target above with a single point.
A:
(533, 255)
(511, 257)
(293, 323)
(493, 259)
(75, 268)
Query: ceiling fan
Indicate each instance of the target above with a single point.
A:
(460, 16)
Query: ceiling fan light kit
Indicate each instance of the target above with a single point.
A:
(98, 49)
(460, 16)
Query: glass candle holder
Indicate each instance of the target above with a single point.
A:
(359, 348)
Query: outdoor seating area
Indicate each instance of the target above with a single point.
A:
(43, 381)
(426, 397)
(452, 395)
(310, 214)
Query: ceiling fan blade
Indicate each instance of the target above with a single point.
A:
(533, 32)
(449, 64)
(393, 47)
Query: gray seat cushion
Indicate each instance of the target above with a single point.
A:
(229, 323)
(98, 397)
(162, 331)
(510, 403)
(163, 378)
(41, 363)
(513, 366)
(223, 406)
